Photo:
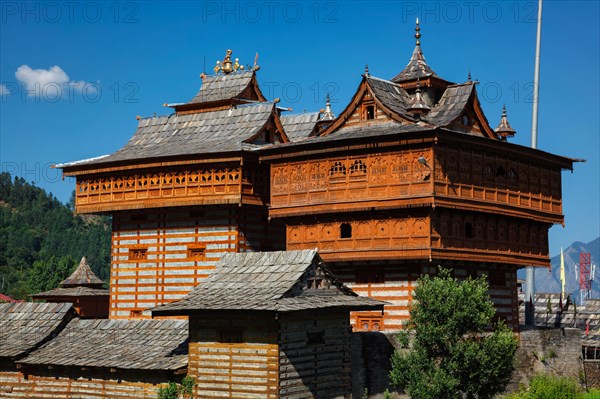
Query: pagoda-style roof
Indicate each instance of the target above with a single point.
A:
(300, 126)
(122, 344)
(398, 105)
(219, 131)
(27, 325)
(81, 283)
(83, 276)
(453, 104)
(283, 281)
(417, 68)
(223, 87)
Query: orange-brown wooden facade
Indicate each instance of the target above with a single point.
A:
(159, 255)
(147, 187)
(75, 384)
(460, 178)
(385, 215)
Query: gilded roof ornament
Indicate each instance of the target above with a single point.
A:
(227, 66)
(418, 33)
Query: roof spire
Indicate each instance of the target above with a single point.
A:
(417, 66)
(327, 114)
(82, 276)
(366, 71)
(504, 130)
(469, 76)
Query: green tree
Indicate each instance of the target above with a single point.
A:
(34, 227)
(456, 350)
(47, 274)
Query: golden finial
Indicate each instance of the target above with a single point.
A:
(217, 67)
(138, 117)
(417, 33)
(226, 65)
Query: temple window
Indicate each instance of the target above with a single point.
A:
(345, 230)
(196, 253)
(358, 167)
(369, 323)
(369, 112)
(338, 168)
(138, 253)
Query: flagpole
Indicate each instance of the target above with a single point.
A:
(530, 271)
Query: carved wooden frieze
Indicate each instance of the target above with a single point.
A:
(172, 186)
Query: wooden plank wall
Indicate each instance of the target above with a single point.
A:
(169, 270)
(245, 368)
(382, 280)
(394, 283)
(51, 384)
(314, 355)
(257, 232)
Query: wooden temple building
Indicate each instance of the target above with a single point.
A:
(270, 325)
(259, 241)
(84, 290)
(409, 176)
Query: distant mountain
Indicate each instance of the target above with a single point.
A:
(549, 281)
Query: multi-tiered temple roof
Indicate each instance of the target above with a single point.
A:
(81, 283)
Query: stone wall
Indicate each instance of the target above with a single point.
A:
(554, 351)
(592, 373)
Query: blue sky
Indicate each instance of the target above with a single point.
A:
(99, 64)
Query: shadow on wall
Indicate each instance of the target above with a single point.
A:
(371, 352)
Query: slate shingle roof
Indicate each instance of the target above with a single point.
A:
(83, 276)
(191, 134)
(391, 95)
(265, 281)
(123, 344)
(417, 67)
(375, 130)
(300, 126)
(586, 314)
(222, 87)
(451, 105)
(26, 325)
(71, 292)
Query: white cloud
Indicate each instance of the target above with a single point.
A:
(4, 90)
(52, 83)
